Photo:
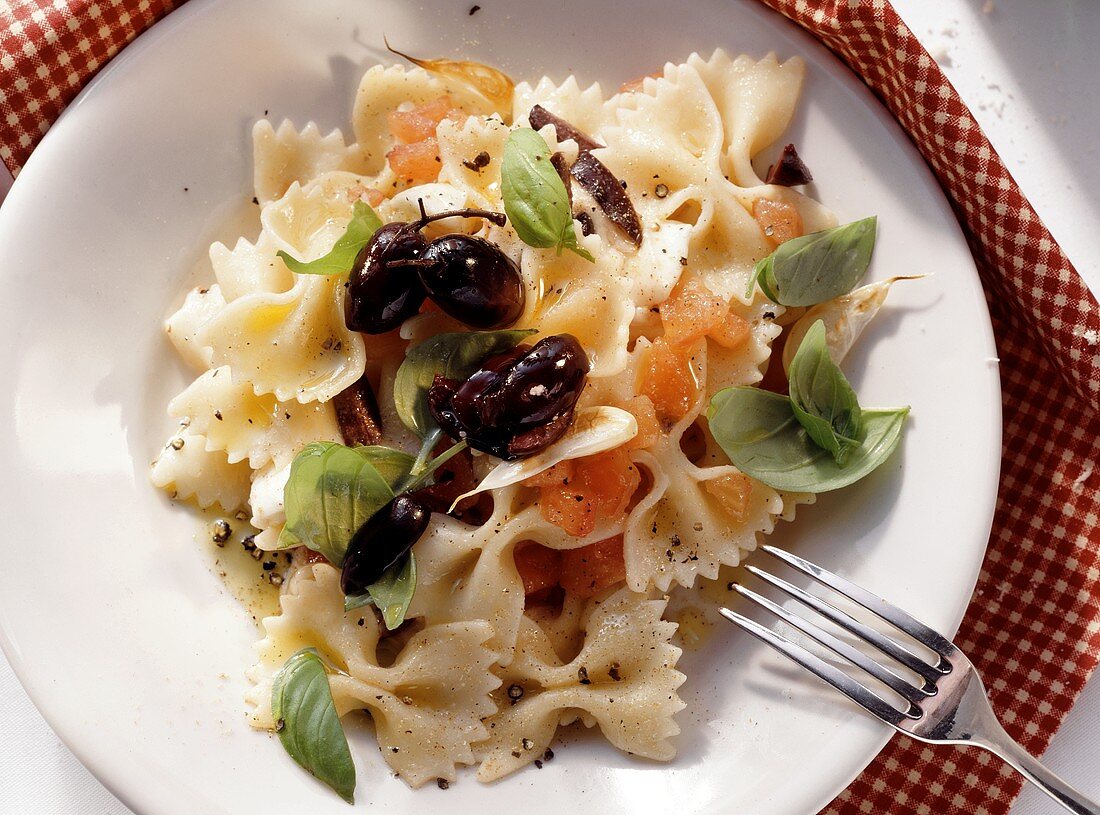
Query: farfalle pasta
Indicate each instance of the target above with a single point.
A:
(480, 620)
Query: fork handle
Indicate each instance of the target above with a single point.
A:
(1003, 745)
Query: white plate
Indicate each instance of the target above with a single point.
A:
(129, 644)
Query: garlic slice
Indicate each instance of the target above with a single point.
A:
(845, 317)
(594, 430)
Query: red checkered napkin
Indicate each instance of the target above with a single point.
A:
(1033, 627)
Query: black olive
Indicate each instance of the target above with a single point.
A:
(519, 403)
(471, 279)
(382, 293)
(382, 541)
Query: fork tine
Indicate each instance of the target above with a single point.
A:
(880, 641)
(891, 613)
(864, 697)
(911, 694)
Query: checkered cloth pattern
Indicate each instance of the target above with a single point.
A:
(1033, 627)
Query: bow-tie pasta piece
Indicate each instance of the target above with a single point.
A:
(672, 136)
(252, 428)
(182, 328)
(756, 100)
(692, 519)
(265, 499)
(386, 89)
(185, 469)
(743, 361)
(584, 108)
(249, 268)
(293, 345)
(624, 679)
(308, 219)
(287, 155)
(469, 572)
(438, 197)
(427, 706)
(726, 242)
(567, 294)
(470, 153)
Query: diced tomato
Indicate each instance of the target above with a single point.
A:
(416, 163)
(539, 566)
(733, 492)
(591, 569)
(691, 311)
(600, 487)
(419, 123)
(649, 427)
(732, 332)
(778, 220)
(556, 476)
(667, 379)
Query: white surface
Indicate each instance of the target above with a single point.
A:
(1037, 126)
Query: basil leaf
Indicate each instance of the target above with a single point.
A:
(392, 465)
(759, 432)
(817, 267)
(823, 400)
(307, 724)
(391, 593)
(339, 260)
(332, 491)
(535, 198)
(761, 275)
(455, 356)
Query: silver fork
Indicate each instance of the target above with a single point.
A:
(947, 704)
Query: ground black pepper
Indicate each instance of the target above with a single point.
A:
(220, 531)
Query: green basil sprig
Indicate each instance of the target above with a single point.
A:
(816, 267)
(760, 433)
(307, 723)
(456, 356)
(822, 398)
(339, 260)
(332, 491)
(535, 199)
(391, 593)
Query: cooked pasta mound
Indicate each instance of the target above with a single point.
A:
(544, 608)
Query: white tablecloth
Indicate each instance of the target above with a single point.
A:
(1028, 71)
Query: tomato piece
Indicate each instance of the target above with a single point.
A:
(732, 332)
(649, 426)
(416, 163)
(668, 380)
(556, 476)
(600, 487)
(539, 566)
(733, 491)
(778, 220)
(691, 311)
(419, 123)
(590, 569)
